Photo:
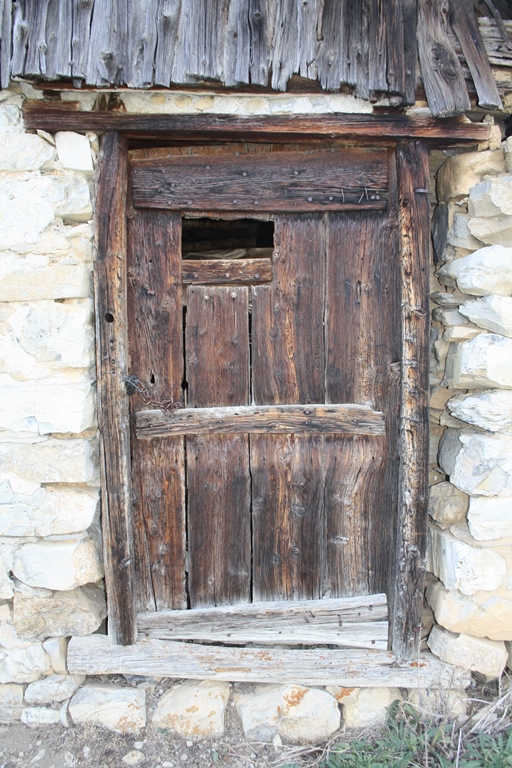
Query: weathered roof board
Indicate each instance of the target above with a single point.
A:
(371, 46)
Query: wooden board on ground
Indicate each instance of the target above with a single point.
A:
(96, 655)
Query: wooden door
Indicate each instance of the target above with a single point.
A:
(277, 477)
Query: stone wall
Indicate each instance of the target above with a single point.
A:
(50, 549)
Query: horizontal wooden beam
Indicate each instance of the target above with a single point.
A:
(226, 271)
(276, 419)
(96, 655)
(54, 116)
(352, 622)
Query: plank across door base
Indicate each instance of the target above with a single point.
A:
(97, 655)
(350, 622)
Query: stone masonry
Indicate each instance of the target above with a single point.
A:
(50, 549)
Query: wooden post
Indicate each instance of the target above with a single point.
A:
(414, 217)
(110, 287)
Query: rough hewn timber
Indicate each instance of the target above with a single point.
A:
(226, 271)
(112, 368)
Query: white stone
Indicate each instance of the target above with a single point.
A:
(134, 757)
(483, 615)
(34, 277)
(29, 203)
(78, 612)
(364, 707)
(111, 706)
(446, 703)
(53, 688)
(446, 504)
(463, 567)
(6, 584)
(193, 709)
(10, 119)
(74, 151)
(50, 461)
(494, 313)
(11, 703)
(37, 716)
(296, 713)
(459, 235)
(491, 409)
(460, 333)
(57, 650)
(488, 270)
(24, 152)
(461, 172)
(490, 517)
(480, 464)
(490, 208)
(58, 565)
(474, 653)
(23, 664)
(48, 511)
(64, 404)
(482, 362)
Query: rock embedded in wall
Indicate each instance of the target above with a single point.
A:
(119, 709)
(74, 151)
(490, 409)
(25, 152)
(54, 688)
(50, 460)
(476, 654)
(494, 313)
(59, 565)
(486, 271)
(481, 615)
(41, 614)
(483, 362)
(490, 209)
(193, 709)
(490, 518)
(364, 707)
(11, 703)
(447, 504)
(461, 172)
(480, 464)
(48, 511)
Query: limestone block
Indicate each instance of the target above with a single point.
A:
(23, 664)
(193, 709)
(460, 333)
(6, 585)
(448, 316)
(490, 517)
(490, 208)
(459, 235)
(58, 565)
(477, 463)
(37, 716)
(364, 707)
(57, 650)
(461, 172)
(297, 714)
(10, 119)
(37, 276)
(53, 688)
(446, 504)
(461, 566)
(74, 151)
(494, 313)
(24, 152)
(474, 653)
(491, 409)
(111, 706)
(77, 612)
(11, 703)
(488, 270)
(438, 702)
(50, 461)
(64, 404)
(482, 362)
(48, 511)
(482, 615)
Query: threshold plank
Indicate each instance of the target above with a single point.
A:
(275, 419)
(96, 655)
(355, 622)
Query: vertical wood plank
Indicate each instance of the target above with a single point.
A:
(237, 45)
(108, 43)
(286, 48)
(218, 476)
(82, 13)
(261, 24)
(167, 34)
(113, 413)
(310, 15)
(156, 353)
(5, 43)
(410, 21)
(288, 516)
(35, 20)
(377, 61)
(333, 68)
(413, 183)
(287, 316)
(59, 25)
(141, 42)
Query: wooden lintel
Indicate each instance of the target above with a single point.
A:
(275, 419)
(96, 655)
(51, 116)
(226, 271)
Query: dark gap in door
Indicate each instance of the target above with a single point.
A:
(206, 238)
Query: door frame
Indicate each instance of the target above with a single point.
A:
(412, 183)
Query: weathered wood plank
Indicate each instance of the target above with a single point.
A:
(59, 24)
(95, 655)
(199, 53)
(225, 271)
(377, 57)
(441, 72)
(395, 50)
(279, 419)
(410, 21)
(167, 21)
(285, 128)
(465, 26)
(5, 43)
(353, 622)
(82, 13)
(283, 181)
(237, 44)
(286, 45)
(309, 22)
(261, 24)
(156, 355)
(112, 368)
(141, 42)
(19, 41)
(333, 67)
(108, 43)
(34, 18)
(413, 181)
(218, 476)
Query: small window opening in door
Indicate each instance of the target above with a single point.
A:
(227, 239)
